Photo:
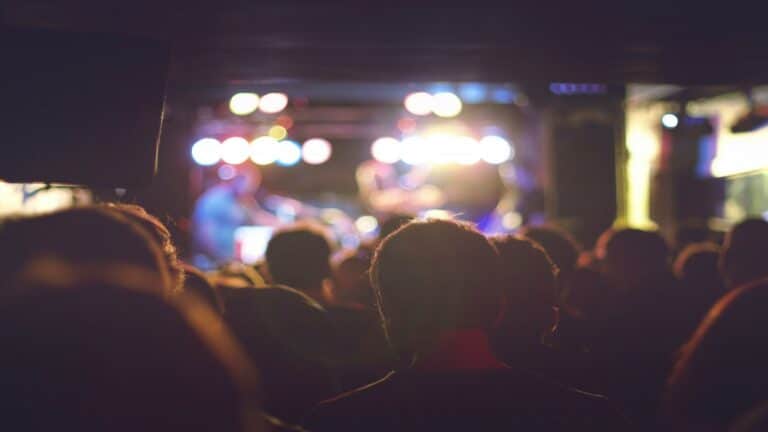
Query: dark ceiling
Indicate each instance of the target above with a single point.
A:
(225, 43)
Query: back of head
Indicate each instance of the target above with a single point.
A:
(103, 356)
(89, 235)
(744, 253)
(559, 245)
(432, 277)
(392, 223)
(633, 255)
(721, 372)
(299, 257)
(697, 265)
(351, 281)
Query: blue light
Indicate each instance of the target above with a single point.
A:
(503, 95)
(472, 92)
(577, 88)
(289, 153)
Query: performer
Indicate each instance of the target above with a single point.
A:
(220, 211)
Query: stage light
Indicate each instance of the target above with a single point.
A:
(288, 153)
(669, 120)
(511, 220)
(272, 103)
(226, 172)
(386, 150)
(316, 151)
(415, 151)
(495, 149)
(467, 150)
(419, 103)
(206, 151)
(446, 104)
(437, 214)
(235, 150)
(277, 132)
(264, 150)
(244, 103)
(366, 224)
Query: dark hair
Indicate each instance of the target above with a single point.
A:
(196, 283)
(434, 276)
(88, 235)
(559, 245)
(721, 372)
(299, 256)
(743, 255)
(159, 232)
(391, 223)
(104, 356)
(632, 255)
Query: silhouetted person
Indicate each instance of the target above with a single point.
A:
(559, 245)
(392, 223)
(697, 270)
(113, 355)
(196, 283)
(300, 257)
(721, 373)
(85, 235)
(439, 292)
(290, 338)
(744, 257)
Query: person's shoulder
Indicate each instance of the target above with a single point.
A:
(346, 407)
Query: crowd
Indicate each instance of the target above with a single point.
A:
(435, 326)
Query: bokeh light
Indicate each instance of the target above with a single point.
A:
(406, 125)
(206, 151)
(670, 120)
(272, 103)
(316, 151)
(415, 151)
(285, 121)
(277, 132)
(437, 214)
(386, 150)
(467, 150)
(495, 149)
(264, 150)
(235, 150)
(244, 103)
(288, 153)
(226, 172)
(446, 104)
(366, 224)
(511, 220)
(419, 103)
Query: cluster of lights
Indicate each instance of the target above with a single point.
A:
(442, 149)
(442, 104)
(577, 88)
(246, 103)
(263, 150)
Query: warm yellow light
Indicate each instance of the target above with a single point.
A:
(446, 104)
(386, 150)
(366, 224)
(244, 103)
(272, 103)
(437, 214)
(264, 150)
(277, 132)
(419, 103)
(511, 220)
(235, 150)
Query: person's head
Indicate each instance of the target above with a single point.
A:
(391, 223)
(743, 257)
(434, 277)
(721, 371)
(159, 233)
(114, 355)
(351, 284)
(246, 182)
(529, 279)
(632, 255)
(559, 245)
(697, 264)
(88, 235)
(299, 256)
(197, 284)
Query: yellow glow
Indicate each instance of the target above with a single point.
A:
(386, 150)
(235, 150)
(511, 220)
(244, 103)
(277, 132)
(437, 214)
(264, 150)
(446, 104)
(366, 224)
(643, 143)
(419, 103)
(272, 103)
(496, 150)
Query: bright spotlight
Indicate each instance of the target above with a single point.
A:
(244, 103)
(316, 151)
(288, 153)
(466, 150)
(419, 103)
(669, 120)
(366, 224)
(206, 151)
(277, 132)
(272, 103)
(386, 150)
(264, 150)
(235, 150)
(437, 214)
(495, 149)
(511, 220)
(446, 104)
(415, 151)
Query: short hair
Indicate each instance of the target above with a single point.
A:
(721, 373)
(529, 275)
(697, 262)
(559, 245)
(299, 256)
(743, 255)
(391, 223)
(434, 276)
(159, 232)
(634, 254)
(88, 235)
